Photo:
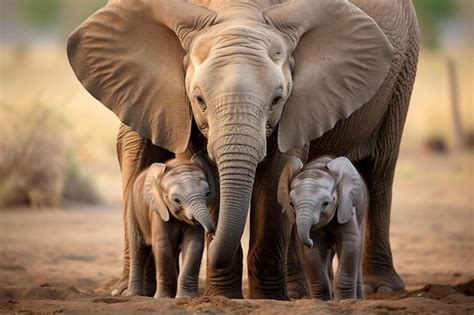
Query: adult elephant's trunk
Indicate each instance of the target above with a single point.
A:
(237, 153)
(304, 221)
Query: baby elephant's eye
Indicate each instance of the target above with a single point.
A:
(208, 194)
(177, 201)
(292, 205)
(325, 204)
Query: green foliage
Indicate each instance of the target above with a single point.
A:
(430, 14)
(39, 12)
(435, 9)
(48, 13)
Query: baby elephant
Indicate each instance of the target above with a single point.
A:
(183, 189)
(330, 200)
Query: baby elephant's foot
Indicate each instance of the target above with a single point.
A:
(182, 295)
(121, 286)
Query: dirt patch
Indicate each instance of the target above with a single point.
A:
(68, 261)
(442, 299)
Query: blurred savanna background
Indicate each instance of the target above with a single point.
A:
(60, 186)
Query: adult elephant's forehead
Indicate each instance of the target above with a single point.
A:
(250, 34)
(243, 9)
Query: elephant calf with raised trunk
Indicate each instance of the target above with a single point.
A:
(184, 189)
(330, 200)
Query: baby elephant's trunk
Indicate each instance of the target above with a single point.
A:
(304, 221)
(201, 214)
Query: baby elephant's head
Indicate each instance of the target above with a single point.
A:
(317, 191)
(183, 188)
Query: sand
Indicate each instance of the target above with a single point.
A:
(67, 260)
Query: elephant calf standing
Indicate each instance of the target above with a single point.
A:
(184, 189)
(330, 200)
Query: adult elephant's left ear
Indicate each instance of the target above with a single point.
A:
(341, 58)
(129, 56)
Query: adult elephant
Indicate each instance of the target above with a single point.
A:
(245, 81)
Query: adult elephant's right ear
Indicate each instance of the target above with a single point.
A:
(341, 57)
(129, 56)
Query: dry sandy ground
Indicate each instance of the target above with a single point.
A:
(67, 261)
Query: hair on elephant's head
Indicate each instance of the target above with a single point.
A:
(183, 188)
(240, 70)
(318, 191)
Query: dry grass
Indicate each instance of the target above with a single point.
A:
(32, 156)
(37, 166)
(77, 135)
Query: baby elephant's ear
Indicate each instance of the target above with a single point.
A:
(292, 167)
(152, 191)
(350, 187)
(199, 160)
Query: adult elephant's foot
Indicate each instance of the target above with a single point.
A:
(228, 292)
(268, 293)
(266, 283)
(225, 286)
(382, 281)
(297, 289)
(121, 286)
(225, 281)
(297, 293)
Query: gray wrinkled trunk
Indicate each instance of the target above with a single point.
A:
(304, 221)
(236, 153)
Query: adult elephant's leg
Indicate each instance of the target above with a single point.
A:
(269, 234)
(225, 281)
(134, 154)
(295, 275)
(378, 270)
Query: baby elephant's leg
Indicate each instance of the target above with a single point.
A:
(360, 287)
(316, 263)
(149, 286)
(192, 248)
(348, 271)
(360, 290)
(166, 254)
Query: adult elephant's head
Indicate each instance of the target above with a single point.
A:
(301, 66)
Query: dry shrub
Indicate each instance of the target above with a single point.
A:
(436, 144)
(78, 186)
(469, 140)
(33, 156)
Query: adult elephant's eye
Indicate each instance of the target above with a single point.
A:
(201, 102)
(325, 204)
(276, 100)
(177, 201)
